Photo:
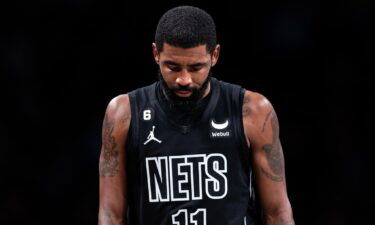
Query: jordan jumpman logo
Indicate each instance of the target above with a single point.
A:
(151, 137)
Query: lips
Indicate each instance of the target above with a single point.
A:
(183, 93)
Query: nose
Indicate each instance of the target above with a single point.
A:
(184, 78)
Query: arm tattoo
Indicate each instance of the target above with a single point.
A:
(286, 221)
(107, 219)
(274, 152)
(265, 121)
(108, 166)
(270, 176)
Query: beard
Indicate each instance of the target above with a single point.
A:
(184, 104)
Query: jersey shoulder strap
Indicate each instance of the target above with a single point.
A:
(233, 96)
(139, 99)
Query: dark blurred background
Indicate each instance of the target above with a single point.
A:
(62, 61)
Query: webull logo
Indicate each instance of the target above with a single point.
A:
(220, 129)
(219, 134)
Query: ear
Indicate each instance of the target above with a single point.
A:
(215, 55)
(155, 53)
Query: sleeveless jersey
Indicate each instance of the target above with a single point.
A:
(197, 175)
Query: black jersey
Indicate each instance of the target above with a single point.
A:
(196, 174)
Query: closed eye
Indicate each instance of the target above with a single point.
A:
(195, 68)
(174, 68)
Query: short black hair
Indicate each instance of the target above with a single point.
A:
(186, 27)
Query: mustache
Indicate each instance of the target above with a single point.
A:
(183, 88)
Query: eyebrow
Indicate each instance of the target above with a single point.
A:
(169, 62)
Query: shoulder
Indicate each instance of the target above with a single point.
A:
(255, 105)
(118, 110)
(257, 110)
(119, 105)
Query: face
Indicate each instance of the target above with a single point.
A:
(185, 72)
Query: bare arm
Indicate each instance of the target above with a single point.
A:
(112, 199)
(262, 132)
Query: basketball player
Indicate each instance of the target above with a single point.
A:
(190, 149)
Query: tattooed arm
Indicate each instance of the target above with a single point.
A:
(113, 203)
(262, 132)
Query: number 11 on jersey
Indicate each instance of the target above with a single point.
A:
(182, 217)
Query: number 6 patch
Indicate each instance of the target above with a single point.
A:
(148, 114)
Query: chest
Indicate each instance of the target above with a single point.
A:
(158, 135)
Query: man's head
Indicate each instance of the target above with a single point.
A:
(185, 49)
